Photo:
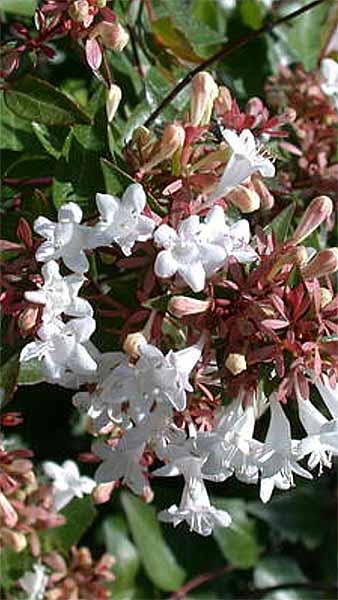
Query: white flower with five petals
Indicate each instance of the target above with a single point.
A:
(60, 346)
(60, 294)
(67, 482)
(322, 439)
(122, 462)
(66, 239)
(122, 221)
(246, 159)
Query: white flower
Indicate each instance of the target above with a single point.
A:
(329, 394)
(67, 482)
(122, 221)
(277, 458)
(122, 462)
(66, 239)
(61, 347)
(34, 582)
(60, 294)
(322, 439)
(329, 78)
(195, 507)
(245, 160)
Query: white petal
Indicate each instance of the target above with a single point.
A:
(45, 252)
(32, 350)
(329, 395)
(44, 227)
(53, 470)
(71, 468)
(108, 206)
(76, 262)
(79, 308)
(189, 227)
(80, 360)
(134, 197)
(70, 213)
(194, 275)
(61, 498)
(165, 236)
(165, 265)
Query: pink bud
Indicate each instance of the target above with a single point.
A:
(324, 263)
(102, 492)
(172, 140)
(318, 210)
(266, 198)
(79, 11)
(223, 102)
(245, 199)
(181, 306)
(7, 512)
(14, 539)
(93, 54)
(204, 92)
(113, 35)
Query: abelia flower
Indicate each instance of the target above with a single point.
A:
(60, 294)
(246, 159)
(66, 239)
(67, 482)
(61, 347)
(195, 507)
(121, 462)
(329, 78)
(34, 582)
(322, 435)
(122, 221)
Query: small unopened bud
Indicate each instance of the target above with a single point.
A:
(326, 297)
(113, 100)
(27, 319)
(236, 363)
(266, 198)
(132, 343)
(181, 306)
(7, 513)
(324, 263)
(318, 210)
(79, 12)
(14, 539)
(245, 199)
(113, 35)
(172, 140)
(102, 492)
(223, 102)
(204, 92)
(296, 256)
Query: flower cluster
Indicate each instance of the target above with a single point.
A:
(253, 318)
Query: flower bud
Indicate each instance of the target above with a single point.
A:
(326, 297)
(324, 263)
(27, 319)
(113, 35)
(79, 12)
(266, 198)
(132, 343)
(172, 140)
(114, 96)
(245, 199)
(7, 513)
(236, 363)
(181, 306)
(102, 492)
(204, 92)
(223, 102)
(14, 539)
(318, 210)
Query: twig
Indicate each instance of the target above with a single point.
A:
(223, 52)
(136, 55)
(199, 580)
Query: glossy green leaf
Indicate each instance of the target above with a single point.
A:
(80, 514)
(238, 542)
(37, 100)
(157, 559)
(279, 570)
(252, 13)
(125, 552)
(24, 8)
(16, 133)
(281, 223)
(115, 182)
(51, 138)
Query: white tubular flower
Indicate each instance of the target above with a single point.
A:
(67, 482)
(123, 463)
(66, 239)
(195, 507)
(245, 160)
(329, 395)
(187, 254)
(233, 238)
(166, 378)
(322, 439)
(329, 78)
(34, 582)
(60, 294)
(122, 221)
(277, 459)
(61, 347)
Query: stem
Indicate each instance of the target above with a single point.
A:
(223, 52)
(135, 51)
(199, 580)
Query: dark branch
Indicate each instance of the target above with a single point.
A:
(199, 580)
(223, 52)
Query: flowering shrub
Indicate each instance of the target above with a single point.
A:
(171, 270)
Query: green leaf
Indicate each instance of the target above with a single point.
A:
(80, 514)
(125, 552)
(252, 13)
(13, 565)
(16, 134)
(24, 8)
(37, 100)
(115, 181)
(62, 191)
(278, 570)
(9, 376)
(238, 542)
(51, 138)
(30, 372)
(296, 516)
(159, 303)
(280, 224)
(158, 561)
